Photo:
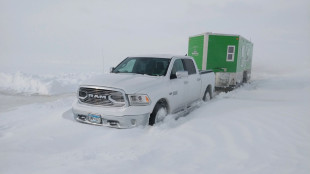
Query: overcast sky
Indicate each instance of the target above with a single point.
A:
(54, 36)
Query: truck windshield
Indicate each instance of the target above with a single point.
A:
(140, 65)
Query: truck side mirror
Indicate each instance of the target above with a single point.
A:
(112, 69)
(181, 74)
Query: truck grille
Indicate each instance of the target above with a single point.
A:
(101, 96)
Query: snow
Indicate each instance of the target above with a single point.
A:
(261, 127)
(22, 83)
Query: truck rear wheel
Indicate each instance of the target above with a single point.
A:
(207, 95)
(159, 113)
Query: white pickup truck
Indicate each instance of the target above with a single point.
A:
(142, 91)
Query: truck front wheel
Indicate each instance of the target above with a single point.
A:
(159, 113)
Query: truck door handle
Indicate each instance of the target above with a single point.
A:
(185, 82)
(198, 79)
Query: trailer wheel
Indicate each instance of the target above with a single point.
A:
(245, 77)
(159, 113)
(207, 95)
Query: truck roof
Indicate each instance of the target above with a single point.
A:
(166, 56)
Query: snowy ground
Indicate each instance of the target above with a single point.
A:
(262, 127)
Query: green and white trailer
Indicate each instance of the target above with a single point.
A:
(229, 56)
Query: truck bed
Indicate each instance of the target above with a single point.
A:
(205, 71)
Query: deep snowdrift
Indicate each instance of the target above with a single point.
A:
(262, 127)
(22, 83)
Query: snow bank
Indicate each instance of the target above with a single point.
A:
(22, 83)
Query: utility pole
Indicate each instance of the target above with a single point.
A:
(102, 60)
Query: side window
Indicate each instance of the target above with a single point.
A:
(189, 66)
(177, 66)
(230, 53)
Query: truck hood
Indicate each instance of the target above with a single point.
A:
(130, 83)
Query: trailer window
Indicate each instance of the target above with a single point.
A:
(230, 53)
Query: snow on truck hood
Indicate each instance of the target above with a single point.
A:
(130, 83)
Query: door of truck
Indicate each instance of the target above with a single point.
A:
(178, 88)
(194, 81)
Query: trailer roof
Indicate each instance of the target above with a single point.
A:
(220, 34)
(210, 33)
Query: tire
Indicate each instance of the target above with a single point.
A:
(245, 77)
(207, 95)
(158, 114)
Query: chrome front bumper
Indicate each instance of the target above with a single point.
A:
(126, 121)
(113, 119)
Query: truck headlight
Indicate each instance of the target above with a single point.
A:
(139, 99)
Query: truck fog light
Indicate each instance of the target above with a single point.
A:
(133, 121)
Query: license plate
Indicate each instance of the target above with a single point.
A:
(94, 118)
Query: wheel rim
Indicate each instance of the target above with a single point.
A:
(160, 115)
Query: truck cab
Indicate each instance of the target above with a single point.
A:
(142, 90)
